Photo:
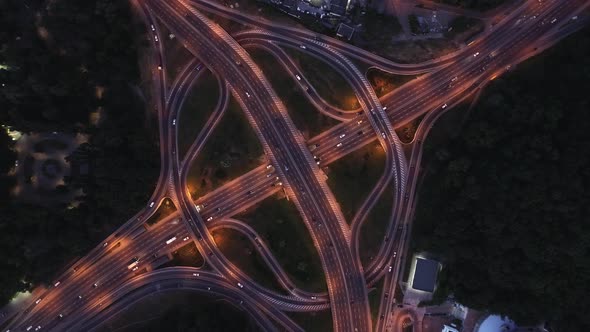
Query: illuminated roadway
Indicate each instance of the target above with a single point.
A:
(127, 241)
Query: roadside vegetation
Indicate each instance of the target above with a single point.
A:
(373, 229)
(319, 321)
(309, 120)
(384, 82)
(181, 311)
(328, 83)
(165, 209)
(198, 106)
(352, 177)
(481, 5)
(504, 203)
(176, 55)
(61, 62)
(279, 224)
(238, 249)
(225, 156)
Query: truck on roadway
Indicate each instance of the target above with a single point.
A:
(133, 262)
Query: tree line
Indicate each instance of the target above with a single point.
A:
(60, 61)
(505, 202)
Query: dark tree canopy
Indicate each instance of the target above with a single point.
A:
(506, 202)
(54, 57)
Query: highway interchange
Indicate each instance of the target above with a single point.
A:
(74, 303)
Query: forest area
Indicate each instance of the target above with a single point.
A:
(54, 58)
(504, 202)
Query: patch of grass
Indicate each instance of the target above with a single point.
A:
(375, 300)
(408, 131)
(279, 224)
(232, 150)
(239, 250)
(177, 56)
(180, 311)
(188, 255)
(196, 110)
(384, 82)
(317, 321)
(165, 209)
(306, 117)
(373, 230)
(464, 27)
(351, 178)
(329, 84)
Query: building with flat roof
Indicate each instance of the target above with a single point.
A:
(425, 273)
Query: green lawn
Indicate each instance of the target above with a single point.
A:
(180, 311)
(375, 300)
(306, 117)
(373, 230)
(319, 321)
(188, 255)
(238, 249)
(177, 56)
(196, 110)
(225, 157)
(279, 224)
(165, 209)
(351, 178)
(384, 82)
(329, 84)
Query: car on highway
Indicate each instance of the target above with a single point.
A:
(156, 38)
(342, 136)
(553, 20)
(268, 175)
(152, 204)
(359, 122)
(339, 145)
(444, 106)
(286, 168)
(159, 67)
(383, 134)
(298, 77)
(210, 218)
(95, 285)
(38, 300)
(61, 316)
(57, 283)
(390, 268)
(475, 54)
(247, 95)
(302, 47)
(186, 238)
(240, 285)
(174, 122)
(152, 26)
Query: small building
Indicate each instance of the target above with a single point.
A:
(345, 31)
(424, 278)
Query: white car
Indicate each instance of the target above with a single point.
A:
(302, 47)
(174, 122)
(339, 145)
(247, 95)
(342, 136)
(135, 268)
(268, 166)
(38, 300)
(153, 29)
(298, 77)
(186, 238)
(56, 283)
(475, 54)
(390, 269)
(313, 297)
(152, 204)
(383, 134)
(444, 106)
(105, 244)
(156, 38)
(210, 218)
(359, 122)
(240, 285)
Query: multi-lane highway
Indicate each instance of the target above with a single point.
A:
(108, 279)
